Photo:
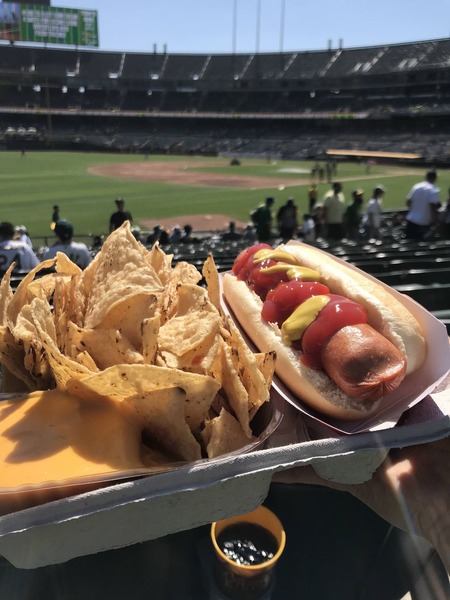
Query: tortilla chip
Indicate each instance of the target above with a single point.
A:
(6, 294)
(266, 364)
(211, 275)
(122, 269)
(124, 381)
(12, 357)
(161, 412)
(161, 262)
(223, 434)
(107, 347)
(22, 294)
(182, 274)
(35, 359)
(150, 331)
(185, 341)
(86, 360)
(247, 365)
(234, 389)
(127, 316)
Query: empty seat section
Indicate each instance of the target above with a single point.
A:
(353, 62)
(309, 64)
(225, 67)
(142, 66)
(267, 66)
(57, 63)
(100, 64)
(184, 66)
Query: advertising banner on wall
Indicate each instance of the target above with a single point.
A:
(48, 24)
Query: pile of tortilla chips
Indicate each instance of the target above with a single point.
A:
(133, 330)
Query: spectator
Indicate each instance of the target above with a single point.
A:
(287, 220)
(119, 217)
(158, 235)
(423, 204)
(372, 216)
(231, 234)
(318, 215)
(76, 251)
(15, 251)
(22, 235)
(353, 214)
(137, 233)
(187, 237)
(334, 209)
(176, 234)
(308, 229)
(262, 219)
(97, 242)
(249, 233)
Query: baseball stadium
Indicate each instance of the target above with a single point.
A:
(198, 141)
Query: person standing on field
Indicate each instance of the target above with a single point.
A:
(119, 217)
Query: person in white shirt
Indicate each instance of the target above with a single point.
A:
(15, 251)
(22, 235)
(372, 216)
(423, 204)
(308, 229)
(76, 251)
(334, 209)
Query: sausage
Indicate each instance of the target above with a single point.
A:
(362, 362)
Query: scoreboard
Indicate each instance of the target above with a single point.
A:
(23, 22)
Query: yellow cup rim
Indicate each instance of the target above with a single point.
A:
(281, 538)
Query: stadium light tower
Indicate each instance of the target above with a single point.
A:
(258, 25)
(282, 19)
(234, 26)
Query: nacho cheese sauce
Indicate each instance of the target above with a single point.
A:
(54, 437)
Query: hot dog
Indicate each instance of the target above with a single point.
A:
(343, 341)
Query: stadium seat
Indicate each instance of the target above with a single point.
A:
(415, 276)
(432, 297)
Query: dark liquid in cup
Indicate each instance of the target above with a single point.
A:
(247, 544)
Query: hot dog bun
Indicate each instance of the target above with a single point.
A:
(386, 314)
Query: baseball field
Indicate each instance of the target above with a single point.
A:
(206, 192)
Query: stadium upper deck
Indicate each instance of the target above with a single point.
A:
(150, 101)
(394, 59)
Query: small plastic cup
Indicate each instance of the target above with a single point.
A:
(247, 582)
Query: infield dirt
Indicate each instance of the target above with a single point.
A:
(185, 173)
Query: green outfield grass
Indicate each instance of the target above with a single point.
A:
(30, 185)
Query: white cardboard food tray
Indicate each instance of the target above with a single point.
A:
(192, 495)
(154, 506)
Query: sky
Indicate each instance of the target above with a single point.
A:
(223, 26)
